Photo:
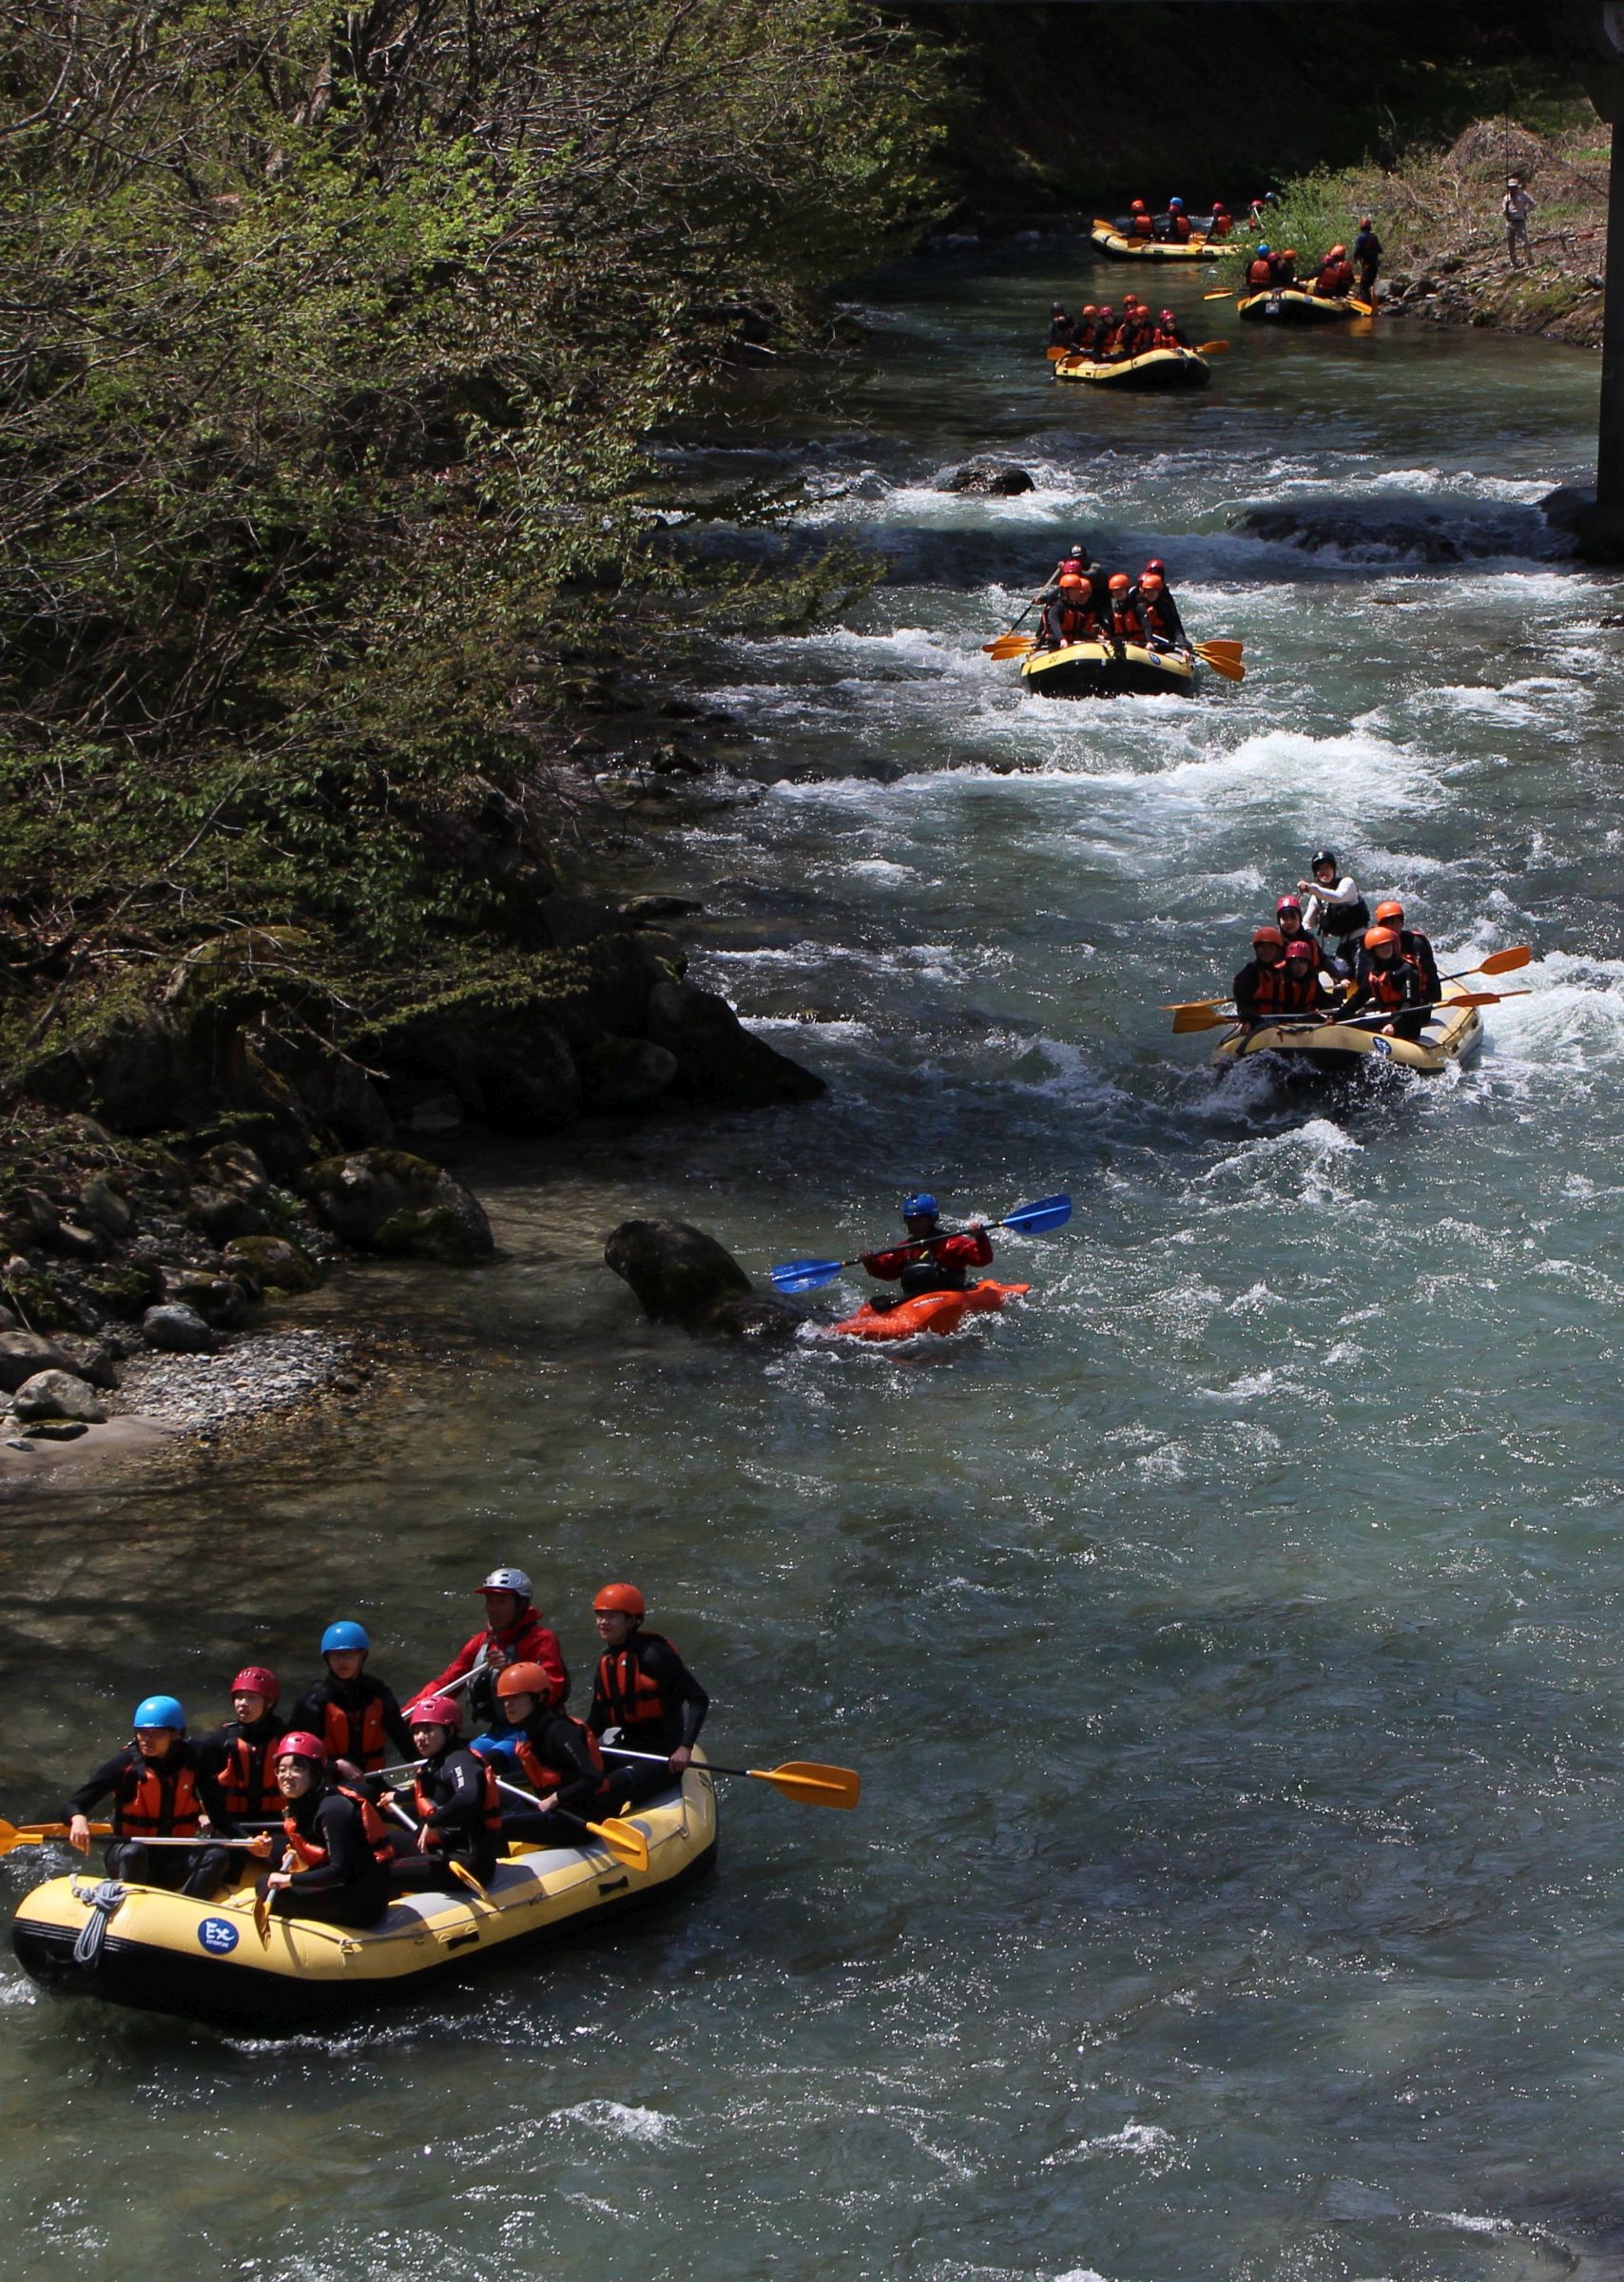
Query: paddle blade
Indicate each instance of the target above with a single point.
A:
(624, 1841)
(1200, 1017)
(1223, 648)
(1212, 348)
(1228, 669)
(1182, 1006)
(464, 1876)
(1228, 295)
(1054, 355)
(1485, 998)
(1036, 1220)
(1012, 645)
(1503, 962)
(262, 1918)
(813, 1785)
(804, 1275)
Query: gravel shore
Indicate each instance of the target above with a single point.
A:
(260, 1372)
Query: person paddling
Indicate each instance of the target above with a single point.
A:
(1384, 979)
(1158, 612)
(338, 1841)
(927, 1261)
(1412, 944)
(240, 1756)
(558, 1756)
(644, 1696)
(357, 1717)
(457, 1806)
(515, 1632)
(1258, 989)
(160, 1790)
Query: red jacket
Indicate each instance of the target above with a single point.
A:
(971, 1251)
(527, 1642)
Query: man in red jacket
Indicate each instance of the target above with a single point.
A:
(514, 1633)
(928, 1262)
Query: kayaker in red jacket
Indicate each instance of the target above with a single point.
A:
(514, 1633)
(922, 1264)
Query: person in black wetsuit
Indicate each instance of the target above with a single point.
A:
(339, 1841)
(240, 1756)
(1061, 331)
(1368, 255)
(458, 1805)
(644, 1693)
(1337, 912)
(356, 1717)
(556, 1754)
(1385, 981)
(159, 1789)
(1158, 612)
(1412, 944)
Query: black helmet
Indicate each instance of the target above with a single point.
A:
(1323, 855)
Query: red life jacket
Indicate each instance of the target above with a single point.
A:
(1270, 993)
(1181, 228)
(1220, 226)
(1158, 618)
(491, 1804)
(1143, 227)
(546, 1778)
(634, 1699)
(1261, 272)
(372, 1824)
(1334, 280)
(159, 1807)
(1300, 992)
(1387, 986)
(1127, 623)
(362, 1740)
(246, 1775)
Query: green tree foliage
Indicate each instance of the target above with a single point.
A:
(332, 339)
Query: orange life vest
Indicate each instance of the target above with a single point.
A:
(246, 1778)
(1387, 985)
(160, 1809)
(373, 1826)
(1143, 227)
(634, 1700)
(546, 1778)
(1261, 272)
(490, 1804)
(339, 1732)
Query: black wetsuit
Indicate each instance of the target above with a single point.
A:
(1412, 945)
(1367, 259)
(1406, 1009)
(220, 1755)
(556, 1746)
(345, 1733)
(452, 1805)
(199, 1874)
(350, 1888)
(682, 1706)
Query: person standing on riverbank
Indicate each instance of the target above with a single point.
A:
(1515, 206)
(1368, 258)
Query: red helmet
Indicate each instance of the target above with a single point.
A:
(1136, 205)
(1374, 937)
(1389, 913)
(1156, 563)
(1287, 903)
(1106, 309)
(1219, 207)
(435, 1712)
(1168, 318)
(1261, 935)
(521, 1679)
(626, 1598)
(299, 1744)
(1299, 950)
(257, 1679)
(1119, 582)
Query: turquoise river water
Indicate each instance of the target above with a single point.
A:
(1229, 1639)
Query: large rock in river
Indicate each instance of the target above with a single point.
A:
(386, 1200)
(719, 1061)
(683, 1276)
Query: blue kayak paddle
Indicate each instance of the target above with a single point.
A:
(1027, 1220)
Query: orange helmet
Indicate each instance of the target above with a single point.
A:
(1389, 913)
(1338, 252)
(1119, 582)
(626, 1598)
(1069, 584)
(1375, 937)
(1090, 311)
(521, 1679)
(1289, 254)
(1263, 936)
(1152, 581)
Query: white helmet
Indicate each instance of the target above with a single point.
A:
(508, 1581)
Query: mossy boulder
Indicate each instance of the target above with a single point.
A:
(387, 1200)
(127, 1290)
(273, 1262)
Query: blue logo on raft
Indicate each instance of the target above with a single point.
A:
(218, 1935)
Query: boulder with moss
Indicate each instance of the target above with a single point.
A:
(386, 1200)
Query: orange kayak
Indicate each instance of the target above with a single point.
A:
(938, 1312)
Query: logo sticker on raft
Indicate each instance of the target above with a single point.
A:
(218, 1935)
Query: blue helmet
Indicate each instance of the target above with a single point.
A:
(1174, 202)
(345, 1634)
(159, 1712)
(1262, 249)
(922, 1206)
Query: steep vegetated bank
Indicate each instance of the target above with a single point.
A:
(325, 512)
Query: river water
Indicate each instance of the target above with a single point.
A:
(1227, 1638)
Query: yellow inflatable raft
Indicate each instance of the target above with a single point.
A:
(1344, 1049)
(1293, 306)
(205, 1959)
(1112, 240)
(1156, 368)
(1096, 670)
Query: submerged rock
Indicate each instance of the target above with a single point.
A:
(57, 1395)
(386, 1200)
(683, 1276)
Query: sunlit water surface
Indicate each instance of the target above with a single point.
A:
(1228, 1638)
